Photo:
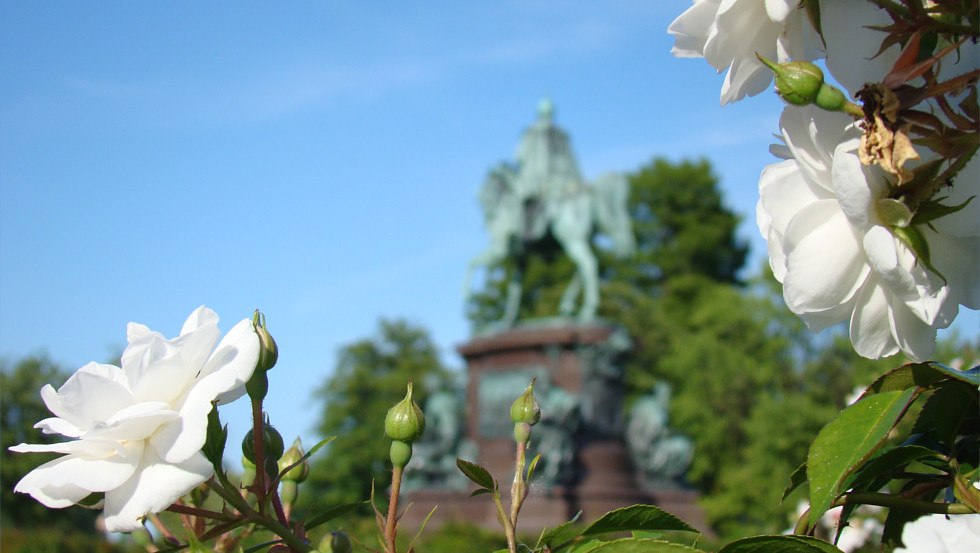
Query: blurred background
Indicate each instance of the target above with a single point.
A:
(321, 162)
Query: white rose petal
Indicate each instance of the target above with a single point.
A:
(138, 429)
(939, 534)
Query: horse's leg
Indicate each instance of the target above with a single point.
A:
(514, 289)
(572, 226)
(581, 255)
(568, 298)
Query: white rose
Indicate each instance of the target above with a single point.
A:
(939, 534)
(819, 211)
(728, 33)
(138, 430)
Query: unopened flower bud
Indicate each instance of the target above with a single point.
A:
(292, 456)
(268, 350)
(801, 83)
(335, 542)
(797, 82)
(272, 445)
(526, 409)
(405, 421)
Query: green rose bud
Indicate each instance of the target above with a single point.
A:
(405, 421)
(268, 350)
(526, 409)
(335, 542)
(291, 456)
(797, 82)
(272, 445)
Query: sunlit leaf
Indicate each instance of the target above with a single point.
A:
(636, 517)
(846, 442)
(477, 474)
(779, 544)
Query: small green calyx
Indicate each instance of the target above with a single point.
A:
(405, 421)
(272, 444)
(400, 453)
(526, 409)
(268, 350)
(292, 456)
(335, 542)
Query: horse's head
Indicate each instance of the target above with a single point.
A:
(496, 189)
(612, 212)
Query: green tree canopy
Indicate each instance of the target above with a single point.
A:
(369, 377)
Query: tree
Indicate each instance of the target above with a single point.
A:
(370, 376)
(682, 227)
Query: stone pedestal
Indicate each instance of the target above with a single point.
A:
(569, 360)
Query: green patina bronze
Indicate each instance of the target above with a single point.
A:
(544, 192)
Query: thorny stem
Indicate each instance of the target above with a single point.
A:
(508, 527)
(391, 525)
(518, 491)
(262, 519)
(903, 503)
(258, 431)
(277, 505)
(198, 512)
(167, 534)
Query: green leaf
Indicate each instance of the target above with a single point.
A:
(876, 473)
(479, 491)
(905, 377)
(779, 544)
(845, 442)
(637, 517)
(332, 513)
(971, 376)
(914, 239)
(931, 210)
(532, 466)
(797, 479)
(562, 533)
(891, 460)
(217, 437)
(317, 446)
(477, 474)
(630, 545)
(946, 410)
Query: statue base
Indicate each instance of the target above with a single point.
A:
(569, 360)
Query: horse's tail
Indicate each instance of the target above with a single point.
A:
(611, 193)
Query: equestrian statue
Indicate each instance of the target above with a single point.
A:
(544, 193)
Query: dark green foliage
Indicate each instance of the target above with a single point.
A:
(682, 227)
(369, 378)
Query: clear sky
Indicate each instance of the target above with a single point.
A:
(317, 160)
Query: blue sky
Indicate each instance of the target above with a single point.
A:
(318, 160)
